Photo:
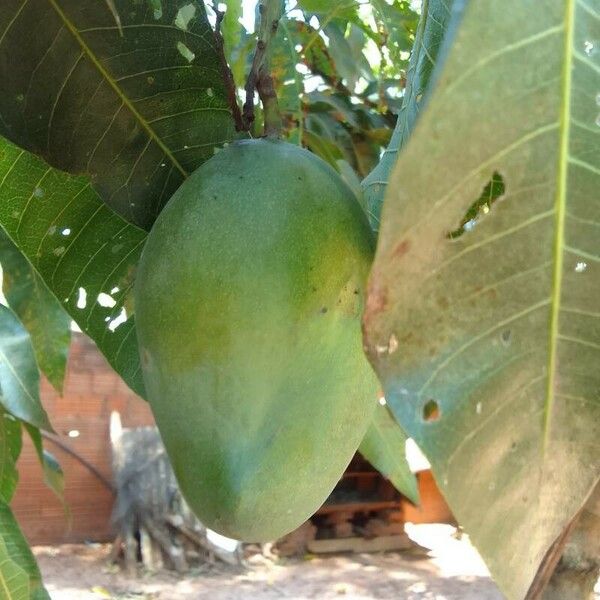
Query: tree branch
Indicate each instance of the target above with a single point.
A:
(259, 78)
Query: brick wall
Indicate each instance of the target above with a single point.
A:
(92, 391)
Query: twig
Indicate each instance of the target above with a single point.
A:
(86, 463)
(268, 97)
(259, 77)
(227, 74)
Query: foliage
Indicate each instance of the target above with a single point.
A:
(20, 577)
(496, 328)
(136, 104)
(83, 251)
(384, 446)
(337, 88)
(429, 38)
(38, 310)
(481, 320)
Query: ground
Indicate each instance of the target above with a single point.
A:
(451, 570)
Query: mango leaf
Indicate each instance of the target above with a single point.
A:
(10, 449)
(323, 148)
(54, 476)
(135, 104)
(488, 343)
(314, 52)
(397, 21)
(288, 82)
(19, 375)
(14, 581)
(384, 446)
(430, 34)
(347, 52)
(231, 27)
(85, 253)
(14, 547)
(330, 9)
(40, 312)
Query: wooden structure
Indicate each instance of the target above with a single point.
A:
(365, 513)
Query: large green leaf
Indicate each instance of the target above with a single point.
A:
(136, 104)
(487, 343)
(384, 446)
(432, 26)
(39, 311)
(19, 375)
(85, 253)
(14, 547)
(10, 449)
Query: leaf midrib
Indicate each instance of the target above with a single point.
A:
(106, 75)
(560, 210)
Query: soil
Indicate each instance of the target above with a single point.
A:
(442, 568)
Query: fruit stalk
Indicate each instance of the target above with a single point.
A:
(259, 78)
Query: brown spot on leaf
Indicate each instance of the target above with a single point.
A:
(401, 249)
(377, 300)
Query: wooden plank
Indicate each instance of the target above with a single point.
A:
(358, 506)
(357, 544)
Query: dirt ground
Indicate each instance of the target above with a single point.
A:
(443, 569)
(451, 571)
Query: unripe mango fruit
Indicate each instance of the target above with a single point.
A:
(248, 301)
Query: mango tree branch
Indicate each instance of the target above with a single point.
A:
(259, 78)
(268, 97)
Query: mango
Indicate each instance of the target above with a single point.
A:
(248, 301)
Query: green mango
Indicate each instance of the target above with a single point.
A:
(248, 302)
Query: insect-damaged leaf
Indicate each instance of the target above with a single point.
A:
(129, 93)
(498, 328)
(85, 253)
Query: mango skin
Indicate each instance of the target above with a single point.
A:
(248, 301)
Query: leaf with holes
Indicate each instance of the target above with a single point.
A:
(40, 312)
(85, 253)
(20, 571)
(19, 375)
(430, 34)
(494, 366)
(135, 103)
(384, 446)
